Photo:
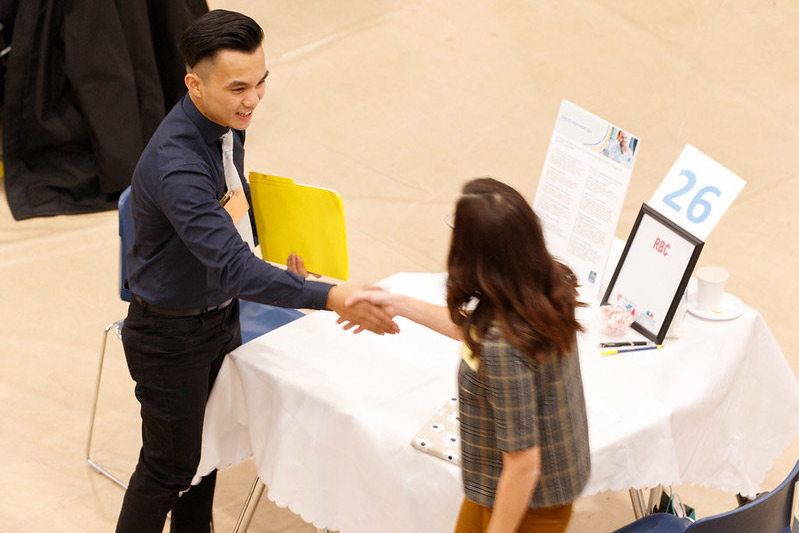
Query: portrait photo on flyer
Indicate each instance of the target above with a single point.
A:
(653, 272)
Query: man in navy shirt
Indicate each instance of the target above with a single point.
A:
(189, 265)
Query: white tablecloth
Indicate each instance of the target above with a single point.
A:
(329, 416)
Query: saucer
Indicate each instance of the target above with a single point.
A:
(729, 308)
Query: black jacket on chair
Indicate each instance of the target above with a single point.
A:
(87, 83)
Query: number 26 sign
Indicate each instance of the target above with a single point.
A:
(696, 192)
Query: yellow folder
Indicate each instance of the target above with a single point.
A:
(302, 219)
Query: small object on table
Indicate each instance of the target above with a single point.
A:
(710, 281)
(621, 344)
(729, 308)
(634, 349)
(616, 320)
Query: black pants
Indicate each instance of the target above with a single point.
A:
(174, 362)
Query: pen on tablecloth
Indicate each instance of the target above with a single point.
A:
(620, 344)
(636, 349)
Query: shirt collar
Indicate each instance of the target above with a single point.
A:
(210, 131)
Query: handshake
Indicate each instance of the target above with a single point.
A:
(369, 307)
(374, 309)
(363, 307)
(358, 306)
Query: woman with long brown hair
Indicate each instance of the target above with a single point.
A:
(524, 432)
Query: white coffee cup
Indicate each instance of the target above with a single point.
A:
(709, 287)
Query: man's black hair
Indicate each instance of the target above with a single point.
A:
(219, 30)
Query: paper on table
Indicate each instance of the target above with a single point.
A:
(599, 416)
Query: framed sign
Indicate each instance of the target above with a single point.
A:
(653, 272)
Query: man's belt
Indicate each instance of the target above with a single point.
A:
(179, 312)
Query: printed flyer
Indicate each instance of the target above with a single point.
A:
(582, 189)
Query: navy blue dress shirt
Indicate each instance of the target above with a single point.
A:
(187, 253)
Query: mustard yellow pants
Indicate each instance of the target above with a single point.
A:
(474, 519)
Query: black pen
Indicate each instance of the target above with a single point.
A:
(634, 349)
(620, 344)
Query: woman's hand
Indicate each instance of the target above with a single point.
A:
(435, 317)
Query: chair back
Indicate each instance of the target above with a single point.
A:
(126, 241)
(770, 513)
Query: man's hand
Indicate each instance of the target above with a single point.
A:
(297, 265)
(361, 314)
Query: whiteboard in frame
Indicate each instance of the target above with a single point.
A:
(653, 272)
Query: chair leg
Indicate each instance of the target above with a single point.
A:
(117, 327)
(250, 504)
(637, 498)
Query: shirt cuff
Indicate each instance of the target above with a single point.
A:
(316, 292)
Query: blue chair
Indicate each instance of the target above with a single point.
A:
(255, 319)
(769, 513)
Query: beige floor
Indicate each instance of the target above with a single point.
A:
(395, 103)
